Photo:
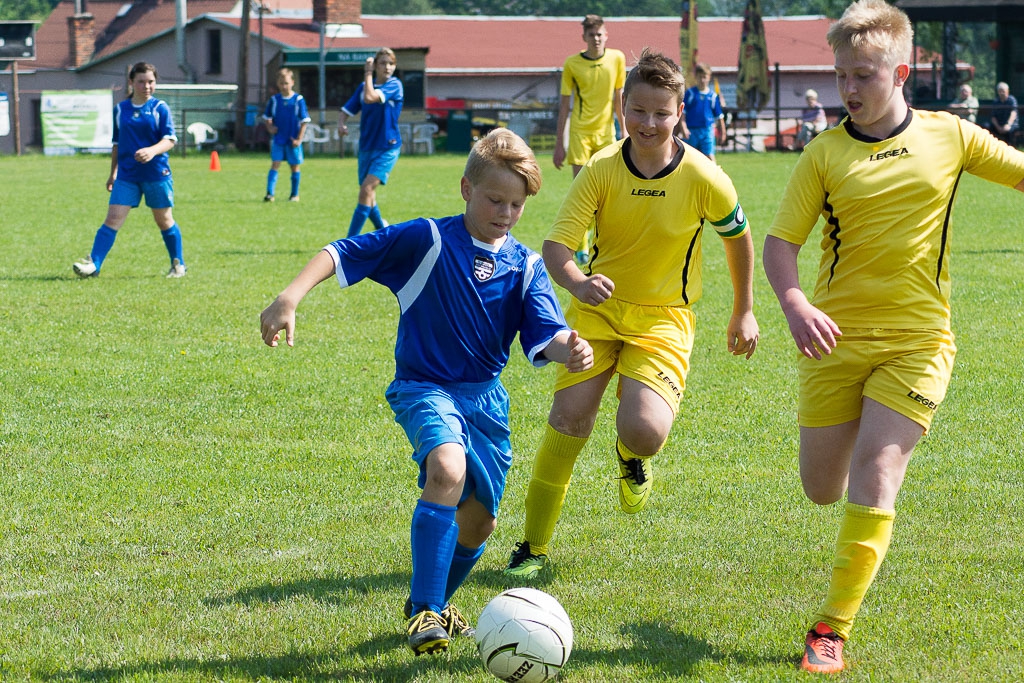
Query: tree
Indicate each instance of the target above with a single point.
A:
(23, 10)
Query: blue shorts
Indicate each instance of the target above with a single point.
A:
(703, 139)
(473, 415)
(379, 162)
(293, 155)
(159, 194)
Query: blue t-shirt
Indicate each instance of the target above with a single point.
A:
(462, 301)
(378, 128)
(138, 126)
(288, 115)
(1001, 111)
(702, 109)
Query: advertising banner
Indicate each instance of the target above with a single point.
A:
(5, 115)
(77, 121)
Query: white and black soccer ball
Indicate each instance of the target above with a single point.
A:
(524, 635)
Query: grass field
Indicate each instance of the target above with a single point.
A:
(182, 503)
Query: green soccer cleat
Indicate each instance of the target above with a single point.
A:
(635, 479)
(427, 634)
(523, 563)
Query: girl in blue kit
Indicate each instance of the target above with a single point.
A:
(286, 118)
(143, 135)
(466, 289)
(379, 99)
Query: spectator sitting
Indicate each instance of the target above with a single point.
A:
(812, 119)
(966, 104)
(1004, 121)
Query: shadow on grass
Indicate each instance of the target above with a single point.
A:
(462, 659)
(335, 590)
(262, 252)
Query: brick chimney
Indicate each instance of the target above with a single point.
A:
(337, 11)
(81, 38)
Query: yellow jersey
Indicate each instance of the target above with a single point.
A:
(648, 231)
(592, 84)
(887, 208)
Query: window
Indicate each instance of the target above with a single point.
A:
(213, 51)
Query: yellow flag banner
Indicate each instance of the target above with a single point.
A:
(752, 88)
(688, 39)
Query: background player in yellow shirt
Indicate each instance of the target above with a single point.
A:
(652, 196)
(877, 350)
(592, 91)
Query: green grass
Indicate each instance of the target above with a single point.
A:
(182, 503)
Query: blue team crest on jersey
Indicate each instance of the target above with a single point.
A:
(483, 267)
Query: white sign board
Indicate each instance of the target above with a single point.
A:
(77, 121)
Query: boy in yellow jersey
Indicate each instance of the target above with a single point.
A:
(877, 350)
(592, 91)
(652, 197)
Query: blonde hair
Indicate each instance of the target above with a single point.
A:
(385, 52)
(657, 71)
(285, 71)
(501, 148)
(874, 24)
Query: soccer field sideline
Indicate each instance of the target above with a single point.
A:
(183, 503)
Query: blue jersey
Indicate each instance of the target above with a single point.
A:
(138, 126)
(462, 301)
(702, 109)
(288, 115)
(378, 128)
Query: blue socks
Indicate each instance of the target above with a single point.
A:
(376, 219)
(463, 562)
(434, 536)
(172, 240)
(359, 217)
(295, 183)
(102, 244)
(271, 181)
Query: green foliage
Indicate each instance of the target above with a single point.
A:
(182, 503)
(21, 10)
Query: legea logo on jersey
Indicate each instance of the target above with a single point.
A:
(483, 268)
(888, 154)
(644, 192)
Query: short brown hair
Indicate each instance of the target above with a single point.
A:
(658, 71)
(501, 148)
(592, 21)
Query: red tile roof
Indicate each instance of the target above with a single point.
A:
(456, 44)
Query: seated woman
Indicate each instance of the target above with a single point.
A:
(812, 119)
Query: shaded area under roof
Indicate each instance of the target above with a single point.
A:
(963, 11)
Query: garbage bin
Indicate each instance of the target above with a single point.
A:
(460, 131)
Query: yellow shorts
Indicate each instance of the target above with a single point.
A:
(650, 344)
(905, 370)
(583, 146)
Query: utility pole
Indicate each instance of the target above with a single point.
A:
(241, 99)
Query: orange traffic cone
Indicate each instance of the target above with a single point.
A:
(214, 161)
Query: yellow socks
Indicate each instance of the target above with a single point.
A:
(864, 538)
(552, 470)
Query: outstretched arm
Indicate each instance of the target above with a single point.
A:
(742, 333)
(571, 350)
(280, 314)
(812, 330)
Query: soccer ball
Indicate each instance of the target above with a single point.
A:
(524, 635)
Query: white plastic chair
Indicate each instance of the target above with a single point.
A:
(316, 135)
(202, 134)
(423, 134)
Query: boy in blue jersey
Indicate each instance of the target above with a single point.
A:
(379, 99)
(704, 116)
(465, 288)
(143, 135)
(286, 117)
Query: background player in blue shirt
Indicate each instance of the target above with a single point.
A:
(465, 288)
(286, 117)
(379, 97)
(143, 134)
(704, 117)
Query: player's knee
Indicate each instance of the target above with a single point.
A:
(823, 494)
